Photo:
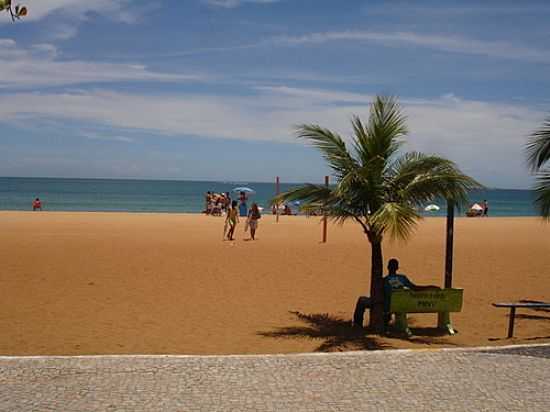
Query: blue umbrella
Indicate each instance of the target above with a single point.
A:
(244, 189)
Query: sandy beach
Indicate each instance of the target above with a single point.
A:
(121, 283)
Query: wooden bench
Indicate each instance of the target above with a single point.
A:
(513, 306)
(440, 301)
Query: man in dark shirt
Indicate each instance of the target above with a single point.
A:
(392, 282)
(396, 281)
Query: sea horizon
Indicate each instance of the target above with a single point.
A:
(187, 196)
(198, 180)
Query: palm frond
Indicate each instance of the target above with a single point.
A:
(542, 193)
(418, 178)
(397, 219)
(538, 147)
(383, 132)
(331, 145)
(308, 194)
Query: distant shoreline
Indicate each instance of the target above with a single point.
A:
(230, 181)
(107, 212)
(180, 196)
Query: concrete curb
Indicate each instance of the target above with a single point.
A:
(283, 355)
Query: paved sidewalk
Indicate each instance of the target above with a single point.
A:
(514, 379)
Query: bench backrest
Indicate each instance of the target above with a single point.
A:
(426, 301)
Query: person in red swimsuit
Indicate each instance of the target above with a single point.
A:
(36, 204)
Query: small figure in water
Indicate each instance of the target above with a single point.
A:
(485, 206)
(36, 204)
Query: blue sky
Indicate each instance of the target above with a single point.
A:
(211, 89)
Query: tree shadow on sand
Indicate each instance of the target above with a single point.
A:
(338, 334)
(423, 335)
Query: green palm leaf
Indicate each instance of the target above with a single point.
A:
(538, 155)
(538, 147)
(397, 219)
(331, 145)
(418, 178)
(542, 190)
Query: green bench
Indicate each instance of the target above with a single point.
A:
(440, 301)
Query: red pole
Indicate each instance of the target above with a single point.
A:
(325, 217)
(277, 193)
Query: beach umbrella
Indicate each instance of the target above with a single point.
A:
(244, 189)
(476, 206)
(431, 208)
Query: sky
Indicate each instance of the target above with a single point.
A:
(213, 89)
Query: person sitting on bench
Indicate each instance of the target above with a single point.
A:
(395, 281)
(392, 282)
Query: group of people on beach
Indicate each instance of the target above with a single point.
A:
(220, 204)
(479, 210)
(232, 219)
(216, 204)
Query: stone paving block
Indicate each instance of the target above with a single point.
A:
(515, 379)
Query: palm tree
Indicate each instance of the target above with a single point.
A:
(538, 156)
(376, 187)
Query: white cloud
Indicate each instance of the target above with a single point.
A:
(65, 16)
(40, 65)
(485, 138)
(452, 44)
(104, 136)
(230, 4)
(440, 42)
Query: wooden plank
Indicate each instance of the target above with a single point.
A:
(521, 305)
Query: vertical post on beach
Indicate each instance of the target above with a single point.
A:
(444, 318)
(325, 217)
(277, 193)
(449, 244)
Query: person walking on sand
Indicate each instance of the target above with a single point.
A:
(253, 216)
(232, 219)
(485, 206)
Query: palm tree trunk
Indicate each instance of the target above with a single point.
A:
(376, 318)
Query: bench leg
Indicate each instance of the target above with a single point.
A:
(511, 322)
(401, 323)
(444, 322)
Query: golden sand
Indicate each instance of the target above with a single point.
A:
(107, 283)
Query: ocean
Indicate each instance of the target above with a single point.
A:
(172, 196)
